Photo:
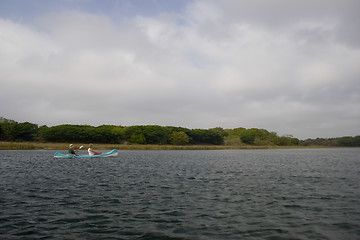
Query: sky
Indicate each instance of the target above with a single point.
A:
(287, 66)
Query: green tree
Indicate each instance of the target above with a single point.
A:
(286, 141)
(349, 141)
(131, 130)
(13, 131)
(69, 133)
(108, 134)
(7, 131)
(155, 134)
(219, 131)
(256, 136)
(179, 138)
(138, 138)
(247, 137)
(203, 136)
(25, 131)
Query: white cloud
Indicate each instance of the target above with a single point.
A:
(218, 64)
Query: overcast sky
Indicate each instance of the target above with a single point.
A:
(288, 66)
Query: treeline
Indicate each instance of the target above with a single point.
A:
(347, 141)
(150, 134)
(153, 134)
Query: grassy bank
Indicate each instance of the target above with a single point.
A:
(64, 146)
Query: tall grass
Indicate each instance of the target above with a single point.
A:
(65, 146)
(32, 146)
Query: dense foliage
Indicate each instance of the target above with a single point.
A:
(153, 134)
(13, 131)
(149, 134)
(335, 142)
(255, 136)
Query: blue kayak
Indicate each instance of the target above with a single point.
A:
(112, 153)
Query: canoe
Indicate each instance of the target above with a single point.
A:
(112, 153)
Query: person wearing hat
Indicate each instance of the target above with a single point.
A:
(91, 151)
(71, 150)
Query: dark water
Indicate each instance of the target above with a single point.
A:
(230, 194)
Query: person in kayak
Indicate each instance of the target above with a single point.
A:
(91, 151)
(71, 150)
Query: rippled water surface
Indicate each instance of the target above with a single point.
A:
(229, 194)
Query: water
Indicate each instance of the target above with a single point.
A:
(228, 194)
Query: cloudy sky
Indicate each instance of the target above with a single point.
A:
(288, 66)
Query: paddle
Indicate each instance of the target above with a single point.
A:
(78, 150)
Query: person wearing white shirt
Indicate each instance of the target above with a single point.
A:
(91, 151)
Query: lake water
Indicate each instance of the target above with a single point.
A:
(227, 194)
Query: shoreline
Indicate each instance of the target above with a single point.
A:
(64, 146)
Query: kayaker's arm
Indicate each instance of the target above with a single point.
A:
(95, 152)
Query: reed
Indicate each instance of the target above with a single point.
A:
(65, 146)
(32, 146)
